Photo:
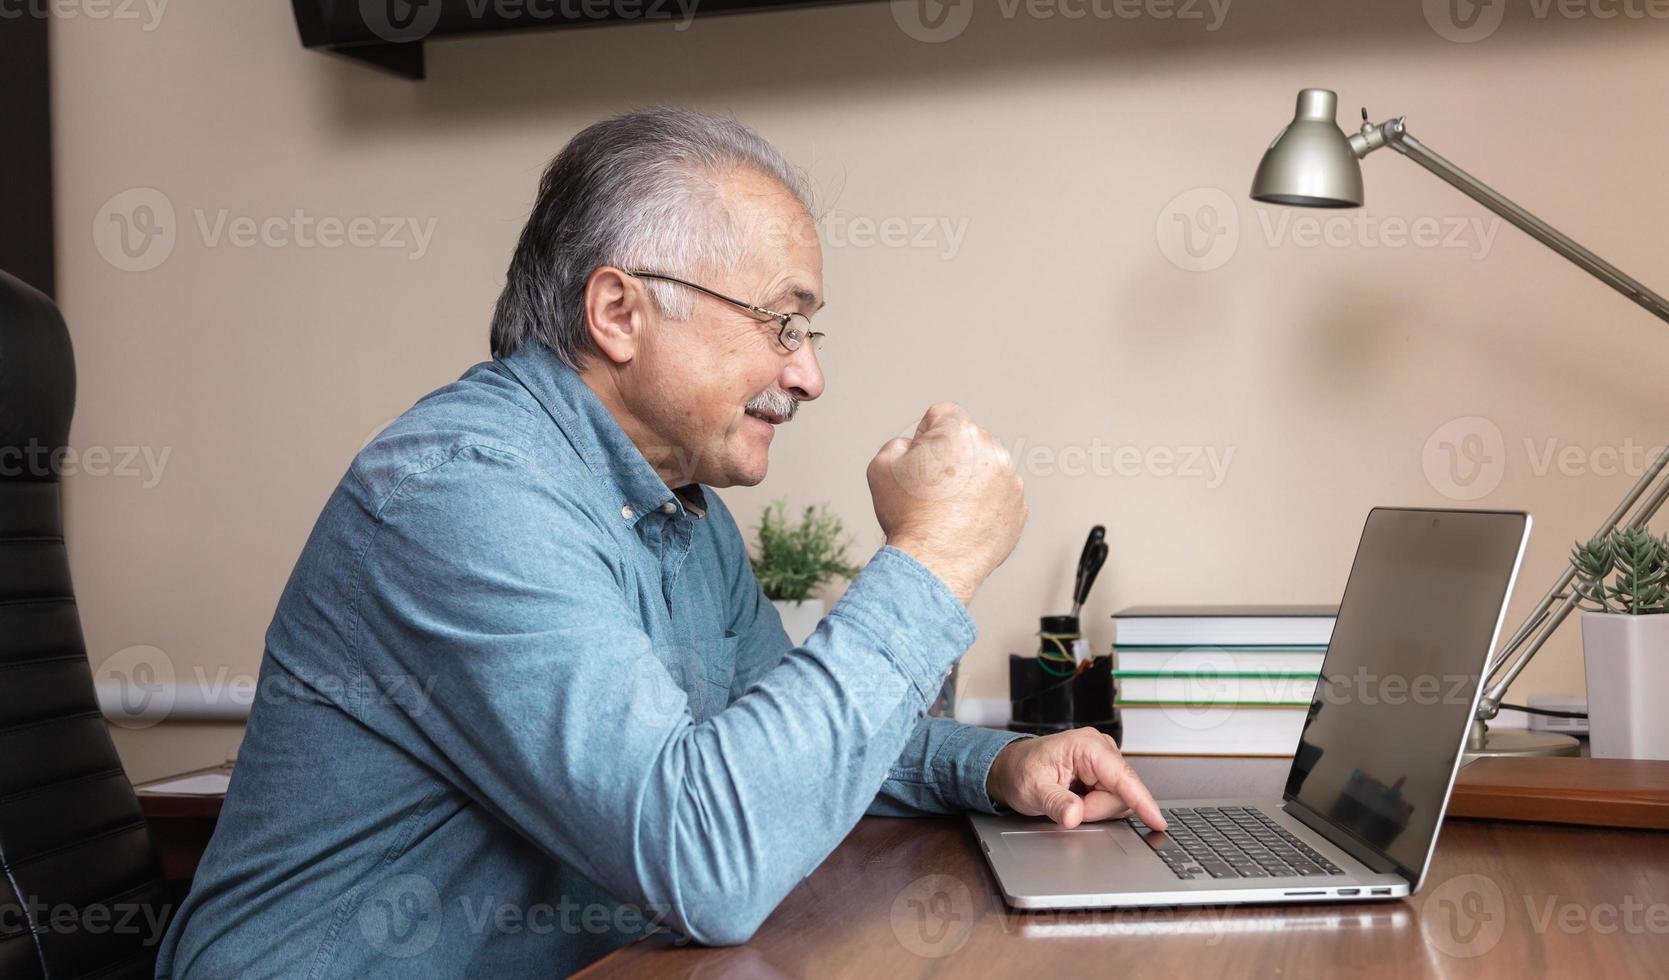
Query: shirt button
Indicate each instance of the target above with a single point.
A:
(669, 508)
(627, 512)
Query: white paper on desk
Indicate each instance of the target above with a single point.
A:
(206, 784)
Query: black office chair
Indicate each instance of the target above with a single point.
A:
(82, 888)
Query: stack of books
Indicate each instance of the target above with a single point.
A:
(1217, 680)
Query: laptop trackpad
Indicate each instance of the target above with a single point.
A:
(1089, 845)
(1087, 860)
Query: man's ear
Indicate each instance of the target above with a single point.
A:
(616, 309)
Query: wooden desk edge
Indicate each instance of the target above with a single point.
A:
(181, 806)
(1625, 793)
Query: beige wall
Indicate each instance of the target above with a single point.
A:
(1060, 153)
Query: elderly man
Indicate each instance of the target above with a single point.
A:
(523, 698)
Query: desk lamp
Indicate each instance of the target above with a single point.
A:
(1313, 164)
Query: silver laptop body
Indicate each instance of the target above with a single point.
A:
(1373, 770)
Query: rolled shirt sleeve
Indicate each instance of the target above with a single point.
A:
(943, 767)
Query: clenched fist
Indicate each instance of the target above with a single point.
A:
(949, 496)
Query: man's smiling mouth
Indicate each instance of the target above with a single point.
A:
(765, 416)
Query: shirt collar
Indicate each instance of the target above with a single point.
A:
(598, 438)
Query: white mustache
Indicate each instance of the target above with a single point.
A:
(775, 401)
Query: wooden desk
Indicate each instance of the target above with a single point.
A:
(914, 898)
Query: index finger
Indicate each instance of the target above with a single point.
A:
(1113, 774)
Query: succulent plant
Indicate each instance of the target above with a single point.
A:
(1635, 562)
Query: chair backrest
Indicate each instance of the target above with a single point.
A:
(82, 892)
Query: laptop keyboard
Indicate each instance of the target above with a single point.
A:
(1231, 842)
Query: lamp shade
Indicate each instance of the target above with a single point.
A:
(1311, 163)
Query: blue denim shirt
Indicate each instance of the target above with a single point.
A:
(520, 702)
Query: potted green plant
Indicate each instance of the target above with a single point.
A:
(793, 559)
(1622, 580)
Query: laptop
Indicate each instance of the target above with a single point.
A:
(1373, 768)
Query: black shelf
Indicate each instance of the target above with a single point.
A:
(390, 34)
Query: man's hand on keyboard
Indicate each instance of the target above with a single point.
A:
(1072, 777)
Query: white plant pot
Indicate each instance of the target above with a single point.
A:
(1626, 659)
(799, 619)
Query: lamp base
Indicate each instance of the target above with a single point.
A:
(1481, 743)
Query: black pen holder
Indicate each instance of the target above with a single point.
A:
(1045, 703)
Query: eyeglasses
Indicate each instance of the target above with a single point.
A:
(794, 329)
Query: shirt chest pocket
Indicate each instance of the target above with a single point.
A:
(718, 670)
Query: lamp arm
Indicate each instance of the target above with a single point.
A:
(1395, 135)
(1545, 618)
(1490, 704)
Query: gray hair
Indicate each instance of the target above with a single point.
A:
(639, 192)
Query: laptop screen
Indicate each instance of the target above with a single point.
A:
(1400, 680)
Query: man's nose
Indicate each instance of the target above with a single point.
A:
(803, 376)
